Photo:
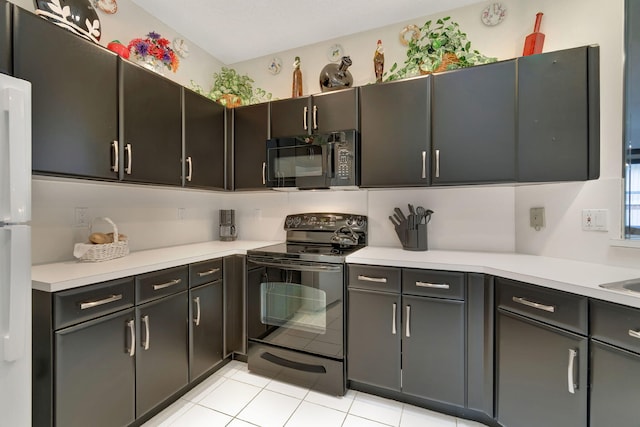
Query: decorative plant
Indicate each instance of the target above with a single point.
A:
(232, 89)
(156, 47)
(432, 51)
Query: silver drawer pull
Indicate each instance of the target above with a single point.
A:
(634, 334)
(393, 322)
(372, 279)
(91, 304)
(408, 325)
(571, 382)
(167, 284)
(132, 332)
(523, 301)
(432, 285)
(208, 272)
(147, 338)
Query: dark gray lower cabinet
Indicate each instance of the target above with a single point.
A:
(235, 338)
(206, 328)
(542, 374)
(6, 49)
(95, 373)
(162, 361)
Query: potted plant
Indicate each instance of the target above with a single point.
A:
(232, 89)
(440, 47)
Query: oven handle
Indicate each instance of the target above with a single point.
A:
(299, 267)
(304, 367)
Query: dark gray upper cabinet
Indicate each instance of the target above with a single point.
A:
(474, 124)
(204, 142)
(322, 113)
(151, 127)
(74, 98)
(395, 132)
(6, 65)
(558, 116)
(250, 133)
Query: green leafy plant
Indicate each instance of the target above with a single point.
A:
(432, 49)
(232, 89)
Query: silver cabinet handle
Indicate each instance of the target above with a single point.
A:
(372, 279)
(315, 117)
(116, 156)
(393, 322)
(523, 301)
(570, 376)
(437, 163)
(129, 153)
(107, 300)
(208, 272)
(424, 164)
(190, 164)
(166, 284)
(132, 333)
(147, 338)
(305, 111)
(432, 285)
(196, 300)
(634, 334)
(407, 332)
(264, 177)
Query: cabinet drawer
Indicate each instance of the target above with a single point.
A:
(375, 278)
(615, 324)
(205, 272)
(88, 302)
(161, 283)
(558, 308)
(432, 283)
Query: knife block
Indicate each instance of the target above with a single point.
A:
(413, 240)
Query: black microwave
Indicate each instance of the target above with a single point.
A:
(314, 161)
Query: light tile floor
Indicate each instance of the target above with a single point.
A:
(235, 397)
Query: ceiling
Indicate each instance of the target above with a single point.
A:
(239, 30)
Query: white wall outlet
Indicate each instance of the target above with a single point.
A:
(595, 219)
(181, 213)
(536, 218)
(81, 217)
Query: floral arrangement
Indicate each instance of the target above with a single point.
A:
(155, 47)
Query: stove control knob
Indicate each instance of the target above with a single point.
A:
(289, 221)
(296, 221)
(350, 221)
(360, 222)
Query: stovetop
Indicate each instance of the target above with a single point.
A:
(305, 252)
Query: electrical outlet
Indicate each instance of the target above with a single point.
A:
(181, 213)
(595, 219)
(536, 218)
(81, 217)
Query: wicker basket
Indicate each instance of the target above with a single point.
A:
(102, 252)
(447, 59)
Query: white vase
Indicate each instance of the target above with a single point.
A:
(152, 64)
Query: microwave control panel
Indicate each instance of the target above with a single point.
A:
(344, 163)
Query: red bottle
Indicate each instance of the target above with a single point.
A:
(534, 41)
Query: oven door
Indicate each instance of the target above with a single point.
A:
(296, 305)
(294, 162)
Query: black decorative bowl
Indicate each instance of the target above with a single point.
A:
(78, 16)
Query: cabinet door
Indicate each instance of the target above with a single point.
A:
(474, 113)
(395, 133)
(206, 328)
(250, 133)
(615, 386)
(533, 362)
(5, 37)
(290, 117)
(373, 340)
(74, 98)
(95, 372)
(151, 115)
(203, 142)
(162, 362)
(334, 111)
(235, 338)
(558, 132)
(433, 349)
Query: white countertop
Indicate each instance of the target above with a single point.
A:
(566, 275)
(71, 274)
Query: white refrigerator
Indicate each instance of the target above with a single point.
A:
(15, 252)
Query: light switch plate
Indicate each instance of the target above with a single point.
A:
(595, 219)
(536, 218)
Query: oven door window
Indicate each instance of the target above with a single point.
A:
(293, 306)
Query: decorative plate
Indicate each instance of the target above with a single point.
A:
(493, 14)
(275, 65)
(408, 33)
(181, 47)
(335, 52)
(77, 16)
(107, 6)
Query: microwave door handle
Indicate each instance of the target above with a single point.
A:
(330, 167)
